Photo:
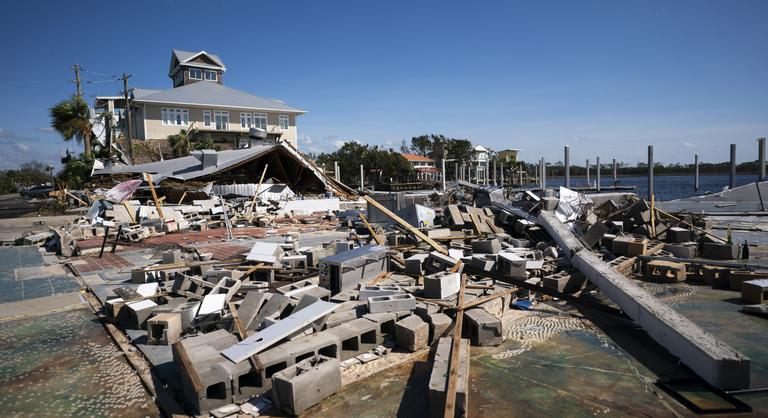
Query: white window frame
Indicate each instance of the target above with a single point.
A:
(246, 120)
(260, 117)
(221, 120)
(195, 78)
(174, 116)
(207, 118)
(287, 120)
(215, 75)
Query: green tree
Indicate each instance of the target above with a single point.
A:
(76, 172)
(379, 164)
(181, 144)
(72, 119)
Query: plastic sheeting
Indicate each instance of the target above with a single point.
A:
(572, 205)
(122, 191)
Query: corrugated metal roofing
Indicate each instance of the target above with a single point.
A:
(189, 167)
(185, 55)
(207, 93)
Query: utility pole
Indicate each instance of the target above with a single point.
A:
(77, 68)
(125, 78)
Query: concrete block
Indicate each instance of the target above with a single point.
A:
(665, 271)
(486, 246)
(715, 251)
(250, 306)
(386, 323)
(509, 264)
(137, 313)
(677, 234)
(356, 337)
(595, 233)
(715, 276)
(299, 387)
(164, 329)
(683, 250)
(737, 277)
(441, 285)
(392, 303)
(755, 291)
(415, 263)
(172, 257)
(411, 333)
(482, 328)
(549, 203)
(368, 291)
(438, 380)
(438, 325)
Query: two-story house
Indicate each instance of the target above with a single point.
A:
(424, 166)
(199, 97)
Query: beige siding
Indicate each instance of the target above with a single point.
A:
(156, 130)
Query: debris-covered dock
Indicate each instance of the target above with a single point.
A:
(278, 298)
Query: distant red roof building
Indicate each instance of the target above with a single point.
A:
(414, 157)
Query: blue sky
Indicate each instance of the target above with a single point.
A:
(606, 77)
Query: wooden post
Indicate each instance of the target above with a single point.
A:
(258, 188)
(158, 203)
(374, 235)
(406, 225)
(453, 364)
(696, 172)
(732, 182)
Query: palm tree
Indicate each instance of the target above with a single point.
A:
(72, 119)
(180, 143)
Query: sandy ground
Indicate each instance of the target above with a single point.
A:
(13, 228)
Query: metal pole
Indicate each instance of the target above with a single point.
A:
(362, 178)
(650, 172)
(615, 174)
(543, 174)
(597, 164)
(761, 157)
(442, 162)
(567, 159)
(696, 172)
(521, 175)
(501, 174)
(494, 172)
(336, 171)
(487, 166)
(588, 183)
(732, 182)
(456, 170)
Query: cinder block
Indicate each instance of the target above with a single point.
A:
(368, 291)
(665, 271)
(438, 325)
(715, 251)
(299, 387)
(737, 277)
(677, 234)
(683, 250)
(755, 291)
(482, 328)
(411, 333)
(164, 329)
(415, 264)
(392, 303)
(441, 285)
(486, 246)
(513, 265)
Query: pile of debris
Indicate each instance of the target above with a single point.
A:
(291, 324)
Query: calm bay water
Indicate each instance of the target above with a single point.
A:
(665, 187)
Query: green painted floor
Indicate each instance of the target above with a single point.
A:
(570, 364)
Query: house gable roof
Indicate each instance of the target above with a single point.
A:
(179, 57)
(207, 93)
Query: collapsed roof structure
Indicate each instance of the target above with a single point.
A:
(281, 161)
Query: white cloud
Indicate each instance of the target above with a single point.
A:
(45, 129)
(689, 145)
(22, 147)
(338, 143)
